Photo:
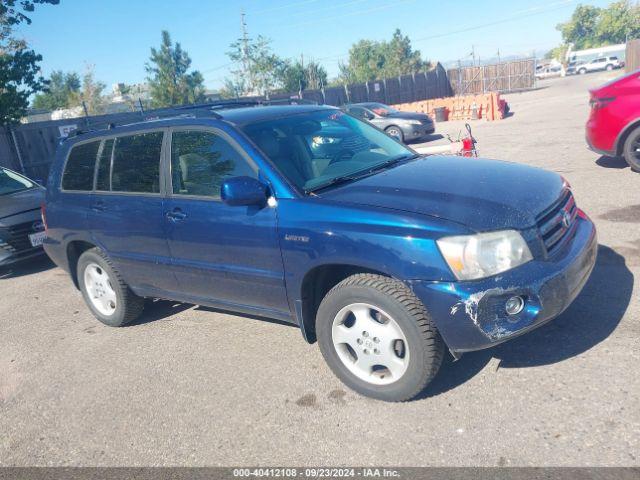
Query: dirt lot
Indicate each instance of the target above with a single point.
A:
(190, 386)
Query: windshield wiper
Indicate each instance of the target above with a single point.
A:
(362, 173)
(333, 181)
(392, 161)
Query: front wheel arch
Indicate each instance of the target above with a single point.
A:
(316, 284)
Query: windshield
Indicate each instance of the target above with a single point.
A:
(381, 109)
(11, 182)
(316, 149)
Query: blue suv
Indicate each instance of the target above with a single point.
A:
(385, 257)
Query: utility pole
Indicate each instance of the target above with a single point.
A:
(498, 55)
(473, 54)
(245, 50)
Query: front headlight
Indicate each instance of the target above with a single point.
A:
(412, 122)
(478, 256)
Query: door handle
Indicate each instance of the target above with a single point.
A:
(176, 215)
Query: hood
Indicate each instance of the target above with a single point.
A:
(408, 116)
(22, 201)
(481, 194)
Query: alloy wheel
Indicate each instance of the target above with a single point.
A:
(100, 289)
(370, 344)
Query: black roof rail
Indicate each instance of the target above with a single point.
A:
(193, 111)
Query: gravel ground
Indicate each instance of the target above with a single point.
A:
(191, 386)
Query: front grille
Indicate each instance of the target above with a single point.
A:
(15, 239)
(556, 224)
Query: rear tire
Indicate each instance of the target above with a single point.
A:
(377, 337)
(631, 149)
(582, 71)
(108, 297)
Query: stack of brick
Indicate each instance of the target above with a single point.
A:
(467, 107)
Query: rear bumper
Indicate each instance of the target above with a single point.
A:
(471, 316)
(595, 142)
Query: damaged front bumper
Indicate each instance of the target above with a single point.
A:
(471, 315)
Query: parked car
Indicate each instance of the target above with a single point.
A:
(598, 64)
(548, 71)
(613, 128)
(572, 67)
(383, 256)
(21, 228)
(403, 126)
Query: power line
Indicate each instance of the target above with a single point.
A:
(326, 9)
(219, 67)
(350, 14)
(281, 7)
(517, 15)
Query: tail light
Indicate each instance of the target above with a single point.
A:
(43, 214)
(597, 103)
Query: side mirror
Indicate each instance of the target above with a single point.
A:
(243, 191)
(369, 115)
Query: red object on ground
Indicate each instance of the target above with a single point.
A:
(467, 147)
(615, 113)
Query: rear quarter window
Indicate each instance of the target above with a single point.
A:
(78, 171)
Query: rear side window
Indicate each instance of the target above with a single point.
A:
(78, 172)
(136, 163)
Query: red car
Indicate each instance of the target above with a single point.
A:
(613, 128)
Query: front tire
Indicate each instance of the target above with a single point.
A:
(582, 71)
(609, 67)
(395, 132)
(631, 149)
(377, 337)
(108, 297)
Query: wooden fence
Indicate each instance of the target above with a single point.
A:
(500, 77)
(632, 56)
(29, 148)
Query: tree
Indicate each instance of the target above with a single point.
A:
(91, 93)
(580, 30)
(257, 71)
(19, 70)
(400, 58)
(19, 79)
(366, 62)
(169, 79)
(594, 27)
(12, 15)
(617, 22)
(295, 76)
(558, 53)
(60, 91)
(370, 60)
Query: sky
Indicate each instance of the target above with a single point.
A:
(115, 36)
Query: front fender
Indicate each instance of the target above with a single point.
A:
(314, 232)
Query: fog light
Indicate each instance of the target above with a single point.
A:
(514, 305)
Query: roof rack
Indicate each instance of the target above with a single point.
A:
(196, 111)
